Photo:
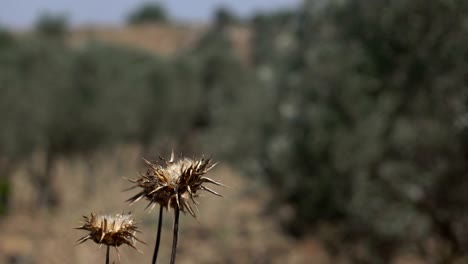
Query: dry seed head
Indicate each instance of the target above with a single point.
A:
(111, 230)
(174, 183)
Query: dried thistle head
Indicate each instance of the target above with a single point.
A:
(110, 230)
(175, 183)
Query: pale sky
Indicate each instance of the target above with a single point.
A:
(23, 13)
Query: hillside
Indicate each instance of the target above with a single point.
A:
(158, 38)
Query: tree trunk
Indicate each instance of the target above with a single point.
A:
(47, 194)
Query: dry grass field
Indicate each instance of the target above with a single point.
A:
(233, 229)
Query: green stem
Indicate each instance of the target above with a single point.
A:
(158, 235)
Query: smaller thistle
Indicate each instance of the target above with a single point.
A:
(110, 230)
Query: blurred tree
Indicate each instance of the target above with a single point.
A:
(223, 16)
(51, 26)
(230, 99)
(148, 13)
(367, 118)
(74, 101)
(4, 195)
(273, 38)
(5, 37)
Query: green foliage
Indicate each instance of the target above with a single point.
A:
(366, 119)
(148, 13)
(51, 26)
(73, 101)
(230, 92)
(273, 38)
(225, 17)
(5, 38)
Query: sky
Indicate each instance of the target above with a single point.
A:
(23, 13)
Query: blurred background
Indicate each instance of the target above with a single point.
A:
(341, 127)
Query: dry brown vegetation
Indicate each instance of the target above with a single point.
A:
(233, 229)
(158, 38)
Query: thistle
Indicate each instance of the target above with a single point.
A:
(110, 230)
(174, 184)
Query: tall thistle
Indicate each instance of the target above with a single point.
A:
(173, 184)
(110, 230)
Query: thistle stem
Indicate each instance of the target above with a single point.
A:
(158, 235)
(107, 254)
(176, 232)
